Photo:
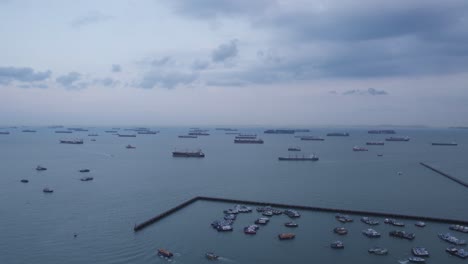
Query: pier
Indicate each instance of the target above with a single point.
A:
(445, 174)
(155, 219)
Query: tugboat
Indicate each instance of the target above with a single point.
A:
(337, 245)
(371, 233)
(85, 170)
(286, 236)
(378, 251)
(416, 260)
(369, 221)
(24, 181)
(291, 224)
(211, 256)
(130, 147)
(48, 190)
(165, 253)
(340, 230)
(459, 252)
(420, 252)
(40, 168)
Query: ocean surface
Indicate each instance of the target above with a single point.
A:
(133, 185)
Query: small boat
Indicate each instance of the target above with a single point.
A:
(251, 229)
(292, 213)
(165, 253)
(344, 218)
(211, 256)
(267, 213)
(340, 230)
(40, 168)
(47, 190)
(393, 222)
(459, 228)
(130, 147)
(262, 221)
(286, 236)
(294, 149)
(84, 170)
(420, 252)
(224, 228)
(378, 251)
(420, 224)
(86, 179)
(369, 221)
(459, 252)
(24, 181)
(416, 260)
(291, 224)
(337, 245)
(93, 139)
(402, 234)
(379, 155)
(451, 239)
(371, 233)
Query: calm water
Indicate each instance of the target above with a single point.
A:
(131, 186)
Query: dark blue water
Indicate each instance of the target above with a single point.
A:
(131, 186)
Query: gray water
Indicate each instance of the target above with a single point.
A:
(131, 186)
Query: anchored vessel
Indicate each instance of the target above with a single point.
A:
(63, 131)
(300, 158)
(71, 141)
(397, 139)
(294, 149)
(126, 135)
(165, 253)
(188, 154)
(338, 134)
(312, 138)
(444, 144)
(357, 148)
(384, 131)
(248, 141)
(375, 143)
(280, 131)
(4, 132)
(188, 136)
(246, 136)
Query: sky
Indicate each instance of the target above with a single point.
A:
(245, 62)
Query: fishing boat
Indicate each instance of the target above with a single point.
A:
(337, 245)
(286, 236)
(378, 251)
(211, 256)
(340, 230)
(165, 253)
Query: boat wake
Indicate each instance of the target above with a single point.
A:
(226, 260)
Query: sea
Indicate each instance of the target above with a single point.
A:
(93, 221)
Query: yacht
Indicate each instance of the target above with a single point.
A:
(420, 252)
(337, 245)
(369, 221)
(420, 224)
(340, 230)
(371, 233)
(402, 234)
(378, 251)
(286, 236)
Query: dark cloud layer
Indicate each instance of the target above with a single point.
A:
(116, 68)
(26, 74)
(225, 51)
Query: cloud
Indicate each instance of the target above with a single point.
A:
(108, 82)
(38, 85)
(72, 81)
(370, 91)
(26, 74)
(209, 9)
(168, 79)
(199, 65)
(225, 51)
(161, 62)
(93, 17)
(116, 68)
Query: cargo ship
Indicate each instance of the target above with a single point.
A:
(188, 154)
(63, 131)
(71, 141)
(246, 136)
(126, 135)
(188, 136)
(356, 148)
(300, 158)
(147, 132)
(4, 132)
(279, 131)
(248, 141)
(111, 131)
(198, 133)
(312, 138)
(338, 134)
(384, 131)
(294, 149)
(444, 144)
(29, 131)
(375, 143)
(397, 139)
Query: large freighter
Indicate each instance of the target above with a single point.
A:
(248, 141)
(397, 139)
(300, 158)
(444, 144)
(188, 154)
(279, 131)
(71, 141)
(384, 131)
(339, 134)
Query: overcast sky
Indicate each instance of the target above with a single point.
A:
(236, 62)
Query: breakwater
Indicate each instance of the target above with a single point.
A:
(152, 220)
(445, 174)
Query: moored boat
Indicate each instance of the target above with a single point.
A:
(47, 190)
(420, 224)
(420, 252)
(286, 236)
(291, 224)
(340, 230)
(402, 234)
(452, 239)
(459, 252)
(211, 256)
(369, 221)
(165, 253)
(371, 233)
(337, 245)
(40, 168)
(416, 260)
(378, 251)
(188, 154)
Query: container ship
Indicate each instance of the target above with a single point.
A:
(312, 138)
(444, 144)
(248, 141)
(300, 158)
(338, 134)
(375, 143)
(385, 131)
(397, 139)
(188, 154)
(71, 141)
(279, 131)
